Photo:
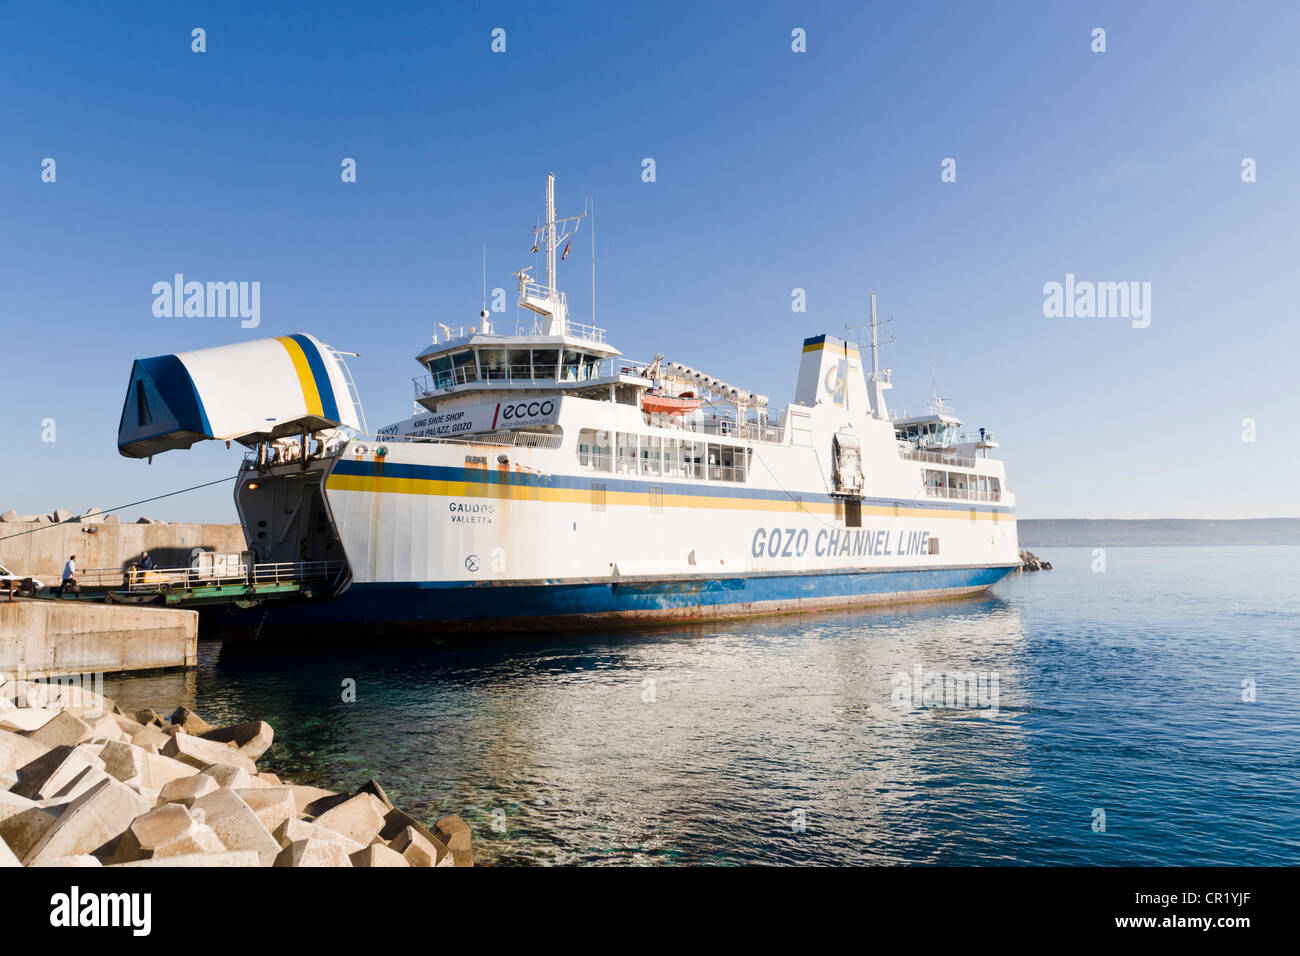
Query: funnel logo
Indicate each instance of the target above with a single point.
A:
(837, 377)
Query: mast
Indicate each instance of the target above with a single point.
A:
(875, 344)
(550, 234)
(878, 383)
(544, 297)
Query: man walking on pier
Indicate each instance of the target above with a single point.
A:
(70, 577)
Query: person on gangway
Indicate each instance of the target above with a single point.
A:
(69, 582)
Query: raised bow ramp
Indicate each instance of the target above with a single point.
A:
(249, 392)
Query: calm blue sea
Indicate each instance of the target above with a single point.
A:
(1120, 735)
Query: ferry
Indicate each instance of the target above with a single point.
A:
(547, 481)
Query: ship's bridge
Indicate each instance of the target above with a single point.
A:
(933, 427)
(936, 428)
(579, 361)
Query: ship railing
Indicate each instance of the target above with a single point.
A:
(592, 333)
(923, 412)
(126, 579)
(278, 572)
(751, 431)
(535, 290)
(936, 458)
(275, 572)
(963, 494)
(96, 578)
(504, 439)
(633, 467)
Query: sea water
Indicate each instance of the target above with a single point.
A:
(1132, 706)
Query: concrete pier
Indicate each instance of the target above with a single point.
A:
(50, 638)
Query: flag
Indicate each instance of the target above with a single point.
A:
(565, 252)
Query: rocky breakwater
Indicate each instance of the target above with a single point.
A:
(1032, 562)
(84, 784)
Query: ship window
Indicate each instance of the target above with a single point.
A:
(693, 459)
(594, 449)
(465, 368)
(492, 364)
(672, 457)
(441, 369)
(571, 366)
(626, 445)
(521, 365)
(544, 362)
(649, 447)
(591, 366)
(726, 463)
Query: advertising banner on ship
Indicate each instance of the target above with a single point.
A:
(474, 419)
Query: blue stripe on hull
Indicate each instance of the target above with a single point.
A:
(385, 469)
(438, 605)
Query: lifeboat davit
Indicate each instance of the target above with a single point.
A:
(669, 404)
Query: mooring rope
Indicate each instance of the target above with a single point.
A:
(131, 504)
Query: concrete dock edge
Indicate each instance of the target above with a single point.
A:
(41, 638)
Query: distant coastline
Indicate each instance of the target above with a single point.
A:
(1066, 532)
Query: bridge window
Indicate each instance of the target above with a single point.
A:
(492, 364)
(571, 367)
(464, 367)
(545, 362)
(521, 364)
(441, 369)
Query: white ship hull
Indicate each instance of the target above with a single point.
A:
(459, 534)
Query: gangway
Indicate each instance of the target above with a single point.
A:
(242, 585)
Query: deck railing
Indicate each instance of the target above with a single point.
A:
(633, 466)
(504, 439)
(962, 494)
(158, 579)
(936, 458)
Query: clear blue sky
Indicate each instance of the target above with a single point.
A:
(776, 170)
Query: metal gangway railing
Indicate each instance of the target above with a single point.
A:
(276, 572)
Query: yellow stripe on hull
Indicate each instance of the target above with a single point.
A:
(467, 489)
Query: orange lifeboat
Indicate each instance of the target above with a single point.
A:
(669, 404)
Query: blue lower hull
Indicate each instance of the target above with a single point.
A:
(457, 606)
